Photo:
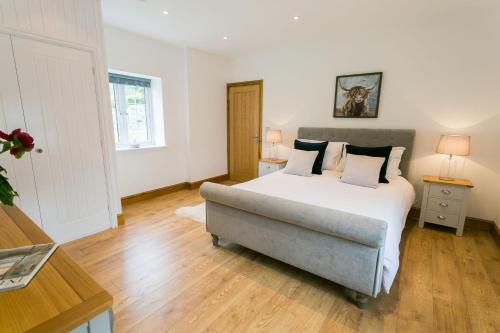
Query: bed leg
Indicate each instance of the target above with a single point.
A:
(361, 301)
(215, 240)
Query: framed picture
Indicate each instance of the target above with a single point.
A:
(357, 95)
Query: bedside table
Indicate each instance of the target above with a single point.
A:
(268, 165)
(445, 202)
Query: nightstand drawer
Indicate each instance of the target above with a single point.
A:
(441, 218)
(446, 192)
(444, 206)
(269, 167)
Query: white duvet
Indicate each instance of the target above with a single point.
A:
(389, 202)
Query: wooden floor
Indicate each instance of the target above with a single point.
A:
(165, 275)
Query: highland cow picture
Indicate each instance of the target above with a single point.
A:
(357, 95)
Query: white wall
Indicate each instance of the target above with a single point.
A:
(207, 78)
(194, 106)
(441, 78)
(145, 169)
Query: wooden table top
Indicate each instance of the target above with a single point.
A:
(456, 181)
(60, 297)
(273, 160)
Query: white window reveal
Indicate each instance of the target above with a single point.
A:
(133, 111)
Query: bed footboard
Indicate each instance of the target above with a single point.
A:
(344, 248)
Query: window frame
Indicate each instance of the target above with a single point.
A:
(122, 141)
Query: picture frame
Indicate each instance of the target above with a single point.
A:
(357, 95)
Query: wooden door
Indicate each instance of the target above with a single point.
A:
(61, 111)
(244, 129)
(19, 172)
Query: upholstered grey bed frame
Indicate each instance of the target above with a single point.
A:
(345, 248)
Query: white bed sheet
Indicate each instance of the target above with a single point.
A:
(388, 202)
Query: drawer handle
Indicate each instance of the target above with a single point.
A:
(441, 217)
(446, 192)
(443, 204)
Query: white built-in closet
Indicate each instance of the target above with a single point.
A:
(53, 90)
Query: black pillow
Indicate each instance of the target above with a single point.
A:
(373, 152)
(320, 147)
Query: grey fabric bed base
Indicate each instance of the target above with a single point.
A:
(344, 248)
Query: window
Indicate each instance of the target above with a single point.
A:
(132, 107)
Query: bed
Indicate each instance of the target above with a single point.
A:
(345, 233)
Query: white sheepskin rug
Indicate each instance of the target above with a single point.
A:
(196, 213)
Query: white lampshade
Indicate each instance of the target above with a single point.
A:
(454, 145)
(273, 136)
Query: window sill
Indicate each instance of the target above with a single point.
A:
(140, 148)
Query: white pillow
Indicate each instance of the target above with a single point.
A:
(300, 162)
(342, 158)
(362, 170)
(333, 153)
(394, 161)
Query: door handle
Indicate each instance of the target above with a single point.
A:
(39, 150)
(443, 204)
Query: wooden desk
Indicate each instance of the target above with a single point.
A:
(60, 298)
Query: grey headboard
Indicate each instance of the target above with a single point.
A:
(367, 137)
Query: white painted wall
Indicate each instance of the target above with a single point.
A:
(194, 106)
(207, 76)
(438, 78)
(141, 170)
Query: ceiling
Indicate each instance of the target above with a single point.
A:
(251, 25)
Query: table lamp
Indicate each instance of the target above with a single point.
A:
(452, 145)
(273, 137)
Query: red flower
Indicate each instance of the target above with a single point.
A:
(14, 151)
(26, 140)
(14, 133)
(5, 136)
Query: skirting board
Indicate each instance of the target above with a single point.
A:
(218, 179)
(120, 219)
(170, 189)
(496, 234)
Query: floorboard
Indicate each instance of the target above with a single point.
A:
(165, 276)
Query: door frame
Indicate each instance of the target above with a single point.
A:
(260, 83)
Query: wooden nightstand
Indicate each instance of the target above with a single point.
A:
(445, 202)
(268, 165)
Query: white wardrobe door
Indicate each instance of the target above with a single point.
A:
(58, 91)
(19, 172)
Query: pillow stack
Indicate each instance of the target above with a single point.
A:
(360, 171)
(383, 152)
(300, 162)
(320, 147)
(362, 166)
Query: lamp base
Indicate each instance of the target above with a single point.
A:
(448, 168)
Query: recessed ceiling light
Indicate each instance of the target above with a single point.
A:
(296, 18)
(165, 12)
(225, 37)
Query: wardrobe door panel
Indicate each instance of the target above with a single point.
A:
(61, 111)
(19, 172)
